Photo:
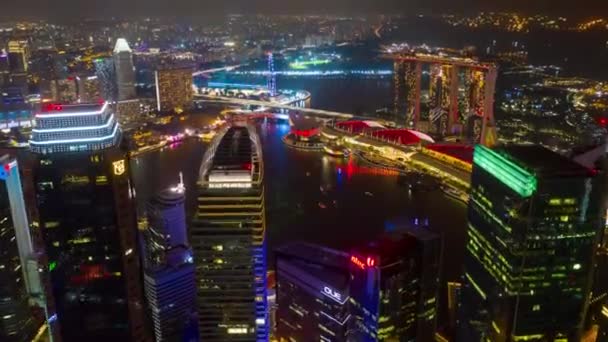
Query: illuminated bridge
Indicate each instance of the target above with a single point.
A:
(265, 105)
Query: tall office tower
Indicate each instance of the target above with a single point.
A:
(169, 272)
(409, 260)
(85, 208)
(534, 223)
(18, 279)
(228, 239)
(125, 71)
(106, 75)
(174, 89)
(325, 294)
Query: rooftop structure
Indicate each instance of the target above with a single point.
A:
(73, 128)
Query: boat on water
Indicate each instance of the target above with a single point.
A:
(456, 194)
(336, 151)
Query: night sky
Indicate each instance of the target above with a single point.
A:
(64, 9)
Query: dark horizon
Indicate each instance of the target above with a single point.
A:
(72, 9)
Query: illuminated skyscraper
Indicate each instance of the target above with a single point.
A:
(534, 224)
(86, 212)
(174, 89)
(227, 236)
(325, 295)
(169, 272)
(125, 71)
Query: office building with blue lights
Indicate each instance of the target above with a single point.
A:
(168, 272)
(19, 281)
(228, 238)
(325, 295)
(534, 223)
(85, 211)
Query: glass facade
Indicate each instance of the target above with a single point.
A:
(16, 318)
(228, 239)
(169, 272)
(325, 295)
(534, 224)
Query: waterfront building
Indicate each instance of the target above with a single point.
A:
(228, 239)
(325, 295)
(535, 219)
(4, 68)
(124, 69)
(85, 209)
(18, 272)
(174, 89)
(169, 272)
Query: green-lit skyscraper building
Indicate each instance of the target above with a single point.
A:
(535, 220)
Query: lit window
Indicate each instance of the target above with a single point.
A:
(536, 307)
(576, 267)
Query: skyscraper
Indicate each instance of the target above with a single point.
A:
(106, 76)
(169, 272)
(534, 224)
(174, 89)
(18, 55)
(325, 294)
(125, 71)
(227, 236)
(18, 279)
(85, 210)
(409, 260)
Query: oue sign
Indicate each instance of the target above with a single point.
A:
(332, 293)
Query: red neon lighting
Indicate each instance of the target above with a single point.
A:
(371, 262)
(357, 262)
(247, 166)
(7, 167)
(53, 107)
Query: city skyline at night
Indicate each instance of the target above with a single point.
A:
(348, 171)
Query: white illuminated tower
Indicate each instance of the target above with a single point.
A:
(125, 71)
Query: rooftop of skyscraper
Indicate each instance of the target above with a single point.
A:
(543, 162)
(314, 258)
(72, 128)
(234, 157)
